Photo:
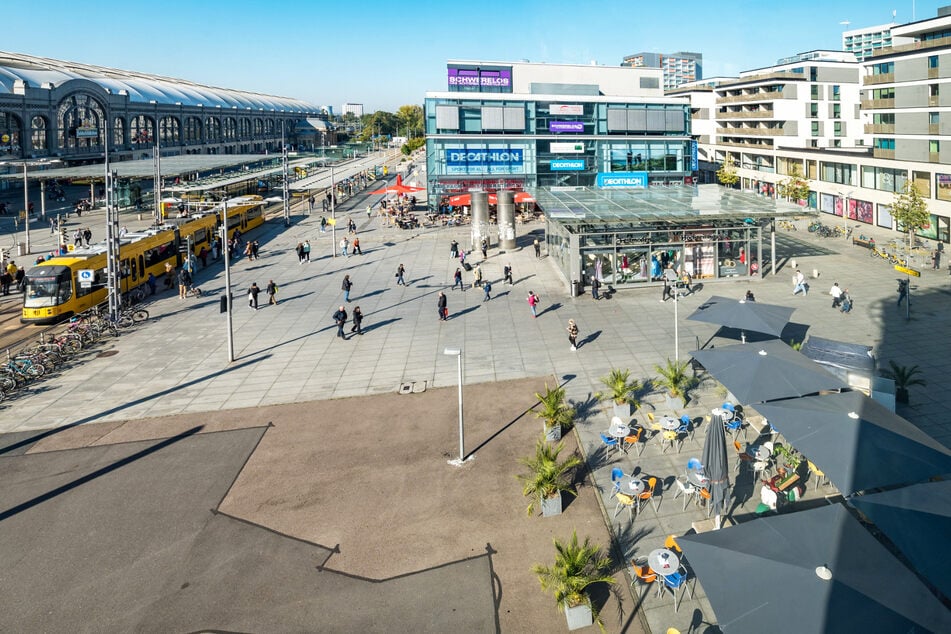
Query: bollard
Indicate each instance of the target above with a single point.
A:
(815, 274)
(793, 264)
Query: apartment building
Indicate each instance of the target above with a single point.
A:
(865, 41)
(679, 68)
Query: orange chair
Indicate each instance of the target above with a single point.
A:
(642, 572)
(741, 456)
(648, 494)
(635, 439)
(705, 495)
(671, 543)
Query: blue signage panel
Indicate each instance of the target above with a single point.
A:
(636, 180)
(694, 162)
(485, 160)
(567, 165)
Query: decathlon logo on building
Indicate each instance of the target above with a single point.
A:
(637, 180)
(485, 161)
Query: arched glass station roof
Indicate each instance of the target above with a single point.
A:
(141, 87)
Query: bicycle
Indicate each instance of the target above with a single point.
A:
(787, 226)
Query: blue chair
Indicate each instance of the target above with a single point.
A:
(674, 582)
(682, 432)
(729, 407)
(608, 441)
(685, 421)
(694, 464)
(734, 427)
(616, 475)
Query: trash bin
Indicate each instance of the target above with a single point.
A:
(577, 289)
(21, 249)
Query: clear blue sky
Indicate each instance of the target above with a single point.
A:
(386, 54)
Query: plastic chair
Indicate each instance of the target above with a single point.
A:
(686, 489)
(741, 456)
(674, 581)
(694, 464)
(734, 427)
(687, 424)
(670, 437)
(729, 407)
(682, 432)
(820, 477)
(608, 441)
(616, 475)
(671, 543)
(704, 494)
(625, 500)
(653, 424)
(642, 572)
(648, 494)
(635, 439)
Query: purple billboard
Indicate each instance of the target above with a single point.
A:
(480, 77)
(566, 126)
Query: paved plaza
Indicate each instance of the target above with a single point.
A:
(173, 371)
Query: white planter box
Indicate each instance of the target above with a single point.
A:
(551, 506)
(579, 616)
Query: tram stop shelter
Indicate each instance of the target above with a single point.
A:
(628, 237)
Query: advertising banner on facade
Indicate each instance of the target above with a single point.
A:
(480, 78)
(567, 165)
(631, 180)
(491, 160)
(694, 162)
(567, 148)
(565, 108)
(566, 126)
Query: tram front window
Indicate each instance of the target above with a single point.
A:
(46, 291)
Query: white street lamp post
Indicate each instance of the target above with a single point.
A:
(457, 352)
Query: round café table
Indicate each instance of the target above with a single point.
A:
(662, 561)
(632, 486)
(669, 423)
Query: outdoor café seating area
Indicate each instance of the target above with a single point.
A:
(697, 496)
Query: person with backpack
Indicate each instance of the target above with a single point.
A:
(533, 303)
(253, 296)
(487, 288)
(271, 290)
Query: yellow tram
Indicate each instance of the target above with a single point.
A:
(54, 291)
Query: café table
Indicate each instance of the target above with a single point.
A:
(662, 561)
(619, 431)
(669, 423)
(632, 486)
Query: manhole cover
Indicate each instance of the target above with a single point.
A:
(108, 353)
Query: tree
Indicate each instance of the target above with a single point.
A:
(910, 210)
(727, 173)
(795, 187)
(410, 121)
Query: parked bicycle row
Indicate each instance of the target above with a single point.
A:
(54, 352)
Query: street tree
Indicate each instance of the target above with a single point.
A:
(795, 187)
(910, 210)
(410, 119)
(727, 173)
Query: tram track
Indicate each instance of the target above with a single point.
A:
(13, 334)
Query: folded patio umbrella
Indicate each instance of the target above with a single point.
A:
(917, 519)
(810, 571)
(766, 370)
(857, 442)
(716, 467)
(768, 319)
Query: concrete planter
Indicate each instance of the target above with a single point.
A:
(553, 434)
(579, 616)
(623, 411)
(551, 506)
(674, 403)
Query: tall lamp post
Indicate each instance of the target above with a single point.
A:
(457, 352)
(26, 191)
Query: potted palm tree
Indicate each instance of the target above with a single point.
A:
(904, 378)
(675, 378)
(576, 567)
(554, 411)
(622, 391)
(547, 478)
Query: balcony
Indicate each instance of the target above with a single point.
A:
(884, 78)
(883, 154)
(748, 143)
(933, 101)
(914, 46)
(765, 113)
(877, 104)
(934, 73)
(776, 132)
(879, 128)
(757, 96)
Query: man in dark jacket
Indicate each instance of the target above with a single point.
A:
(441, 307)
(340, 317)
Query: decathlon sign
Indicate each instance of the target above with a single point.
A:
(485, 160)
(635, 180)
(567, 165)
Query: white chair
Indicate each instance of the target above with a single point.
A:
(686, 489)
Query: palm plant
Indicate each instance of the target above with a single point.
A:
(576, 567)
(904, 378)
(674, 376)
(554, 409)
(621, 389)
(547, 477)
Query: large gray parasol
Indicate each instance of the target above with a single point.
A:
(716, 467)
(766, 370)
(809, 571)
(768, 319)
(857, 442)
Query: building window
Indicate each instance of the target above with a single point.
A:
(814, 92)
(885, 118)
(934, 118)
(837, 128)
(836, 111)
(38, 133)
(884, 144)
(835, 93)
(932, 90)
(883, 93)
(813, 73)
(815, 128)
(813, 111)
(934, 146)
(932, 61)
(841, 173)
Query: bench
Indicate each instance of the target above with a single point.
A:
(868, 244)
(782, 485)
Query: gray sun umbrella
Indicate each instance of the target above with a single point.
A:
(716, 467)
(917, 519)
(858, 443)
(810, 571)
(768, 319)
(766, 370)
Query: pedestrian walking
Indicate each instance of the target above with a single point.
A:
(836, 293)
(249, 251)
(507, 274)
(799, 283)
(462, 258)
(203, 256)
(306, 250)
(572, 334)
(454, 249)
(846, 302)
(184, 281)
(323, 224)
(340, 318)
(400, 271)
(485, 248)
(903, 292)
(369, 212)
(254, 249)
(595, 287)
(345, 287)
(253, 296)
(271, 290)
(487, 289)
(343, 246)
(357, 318)
(356, 246)
(538, 248)
(533, 303)
(441, 307)
(477, 276)
(300, 252)
(457, 280)
(52, 226)
(936, 259)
